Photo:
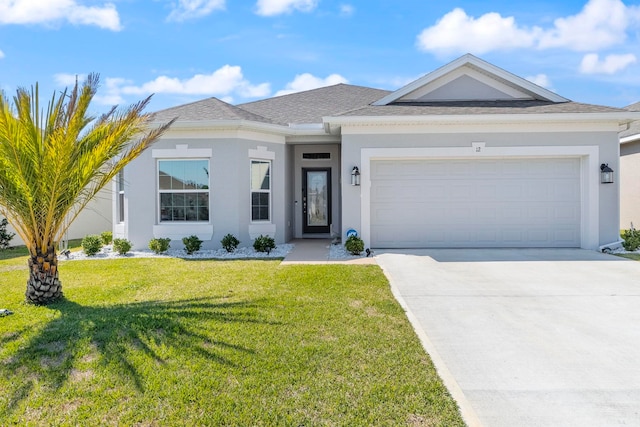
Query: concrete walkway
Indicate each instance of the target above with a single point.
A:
(316, 251)
(527, 337)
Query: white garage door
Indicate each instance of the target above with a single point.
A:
(475, 203)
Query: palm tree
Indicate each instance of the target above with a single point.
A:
(53, 163)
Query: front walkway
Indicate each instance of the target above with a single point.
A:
(316, 251)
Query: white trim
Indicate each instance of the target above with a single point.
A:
(590, 173)
(261, 153)
(269, 191)
(159, 192)
(468, 59)
(631, 138)
(182, 151)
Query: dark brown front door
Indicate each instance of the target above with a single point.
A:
(316, 200)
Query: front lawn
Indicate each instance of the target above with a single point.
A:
(162, 342)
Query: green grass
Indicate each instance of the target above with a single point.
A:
(635, 257)
(225, 343)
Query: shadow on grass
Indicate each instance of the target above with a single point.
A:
(115, 335)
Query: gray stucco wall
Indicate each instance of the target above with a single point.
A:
(229, 199)
(607, 143)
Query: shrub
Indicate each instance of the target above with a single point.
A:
(91, 244)
(122, 246)
(5, 236)
(160, 245)
(264, 244)
(107, 237)
(191, 244)
(230, 243)
(631, 239)
(354, 245)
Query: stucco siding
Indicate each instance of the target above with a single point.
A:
(604, 144)
(630, 185)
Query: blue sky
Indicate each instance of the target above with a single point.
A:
(239, 51)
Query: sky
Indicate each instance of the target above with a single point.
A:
(243, 50)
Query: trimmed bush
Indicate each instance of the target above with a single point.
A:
(354, 245)
(122, 246)
(5, 236)
(191, 244)
(107, 237)
(631, 239)
(264, 244)
(160, 245)
(91, 244)
(230, 243)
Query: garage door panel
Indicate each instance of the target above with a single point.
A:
(476, 203)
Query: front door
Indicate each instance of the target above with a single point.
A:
(316, 200)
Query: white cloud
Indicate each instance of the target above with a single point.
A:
(278, 7)
(66, 79)
(50, 11)
(600, 24)
(456, 31)
(189, 9)
(591, 63)
(541, 80)
(222, 83)
(308, 81)
(347, 10)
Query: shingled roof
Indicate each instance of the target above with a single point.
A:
(311, 105)
(477, 107)
(207, 110)
(634, 127)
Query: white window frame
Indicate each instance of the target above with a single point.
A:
(160, 192)
(251, 190)
(120, 196)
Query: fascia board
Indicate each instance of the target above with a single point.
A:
(628, 139)
(307, 129)
(614, 117)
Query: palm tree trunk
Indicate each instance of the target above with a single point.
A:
(43, 286)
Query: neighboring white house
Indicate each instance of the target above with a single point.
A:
(469, 155)
(630, 173)
(94, 219)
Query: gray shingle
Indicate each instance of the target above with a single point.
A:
(207, 109)
(478, 107)
(311, 105)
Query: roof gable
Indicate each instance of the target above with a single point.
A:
(469, 78)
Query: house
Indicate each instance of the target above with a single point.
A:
(630, 173)
(469, 155)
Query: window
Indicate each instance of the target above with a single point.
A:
(184, 190)
(260, 190)
(120, 201)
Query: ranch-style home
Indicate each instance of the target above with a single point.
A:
(468, 156)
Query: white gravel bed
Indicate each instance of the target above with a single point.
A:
(339, 252)
(241, 253)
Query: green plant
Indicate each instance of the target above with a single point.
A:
(91, 244)
(191, 244)
(5, 236)
(354, 245)
(264, 244)
(122, 246)
(230, 243)
(107, 237)
(160, 245)
(631, 239)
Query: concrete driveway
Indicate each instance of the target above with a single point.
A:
(527, 337)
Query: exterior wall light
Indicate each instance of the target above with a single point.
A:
(355, 176)
(606, 174)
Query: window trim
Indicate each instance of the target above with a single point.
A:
(159, 191)
(269, 191)
(120, 196)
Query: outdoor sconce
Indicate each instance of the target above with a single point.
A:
(606, 174)
(355, 176)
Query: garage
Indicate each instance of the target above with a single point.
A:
(476, 203)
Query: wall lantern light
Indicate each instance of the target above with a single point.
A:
(606, 174)
(355, 176)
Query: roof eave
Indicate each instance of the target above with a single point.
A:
(306, 129)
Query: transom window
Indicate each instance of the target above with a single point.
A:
(183, 186)
(260, 190)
